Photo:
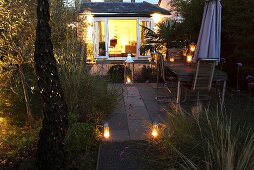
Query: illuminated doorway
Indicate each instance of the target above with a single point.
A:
(122, 38)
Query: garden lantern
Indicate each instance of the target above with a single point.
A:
(106, 133)
(155, 130)
(189, 58)
(155, 56)
(171, 59)
(192, 47)
(128, 70)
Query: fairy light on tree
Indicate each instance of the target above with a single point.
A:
(51, 152)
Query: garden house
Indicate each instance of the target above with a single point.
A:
(114, 29)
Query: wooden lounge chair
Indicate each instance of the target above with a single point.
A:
(202, 79)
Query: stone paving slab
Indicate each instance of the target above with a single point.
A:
(133, 101)
(118, 121)
(131, 91)
(119, 135)
(130, 155)
(137, 112)
(137, 129)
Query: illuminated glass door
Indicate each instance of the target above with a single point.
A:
(141, 34)
(122, 37)
(100, 39)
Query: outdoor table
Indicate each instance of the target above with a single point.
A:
(185, 72)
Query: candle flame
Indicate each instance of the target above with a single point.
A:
(106, 131)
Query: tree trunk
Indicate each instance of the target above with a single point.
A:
(23, 80)
(51, 153)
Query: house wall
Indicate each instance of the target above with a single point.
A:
(90, 53)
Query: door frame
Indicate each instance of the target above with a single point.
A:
(106, 29)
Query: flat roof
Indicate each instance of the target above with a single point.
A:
(121, 9)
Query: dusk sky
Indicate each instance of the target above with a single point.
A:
(150, 1)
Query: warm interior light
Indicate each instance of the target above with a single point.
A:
(172, 59)
(156, 18)
(155, 130)
(106, 131)
(89, 35)
(189, 58)
(89, 19)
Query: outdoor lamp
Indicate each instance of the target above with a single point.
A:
(106, 133)
(192, 47)
(128, 70)
(154, 56)
(156, 17)
(155, 130)
(172, 59)
(189, 58)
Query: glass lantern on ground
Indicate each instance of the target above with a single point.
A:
(128, 70)
(106, 132)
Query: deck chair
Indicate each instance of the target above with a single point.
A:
(202, 79)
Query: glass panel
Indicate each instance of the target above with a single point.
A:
(122, 37)
(100, 37)
(146, 24)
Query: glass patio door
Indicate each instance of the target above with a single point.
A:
(148, 23)
(122, 35)
(100, 39)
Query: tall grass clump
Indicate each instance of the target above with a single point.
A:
(207, 140)
(88, 96)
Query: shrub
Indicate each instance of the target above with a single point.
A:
(80, 137)
(116, 73)
(88, 96)
(12, 101)
(81, 144)
(147, 74)
(16, 140)
(207, 141)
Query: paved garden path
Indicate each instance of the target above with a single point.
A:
(129, 123)
(135, 112)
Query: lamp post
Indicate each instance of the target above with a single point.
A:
(128, 70)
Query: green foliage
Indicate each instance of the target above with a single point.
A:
(237, 34)
(210, 139)
(116, 73)
(81, 144)
(16, 140)
(237, 37)
(169, 34)
(147, 74)
(86, 95)
(192, 12)
(80, 137)
(12, 101)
